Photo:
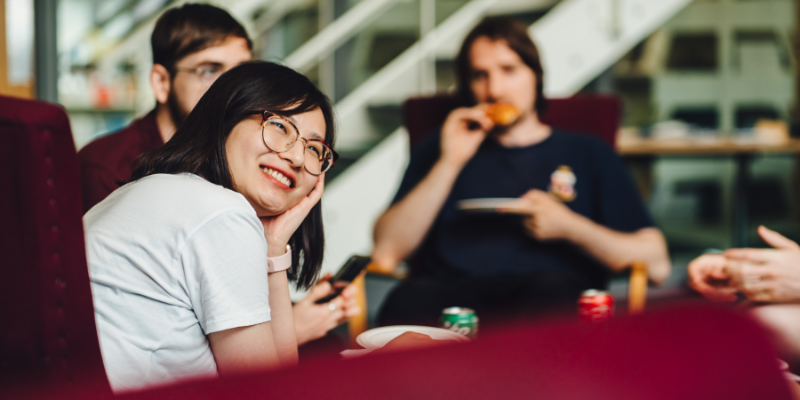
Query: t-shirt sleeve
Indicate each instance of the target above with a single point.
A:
(422, 160)
(620, 206)
(225, 262)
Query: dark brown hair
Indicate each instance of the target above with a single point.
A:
(515, 34)
(190, 28)
(198, 145)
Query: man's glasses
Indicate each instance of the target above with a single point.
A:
(280, 134)
(206, 74)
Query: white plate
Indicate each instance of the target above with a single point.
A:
(488, 204)
(378, 337)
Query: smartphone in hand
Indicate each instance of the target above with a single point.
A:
(345, 276)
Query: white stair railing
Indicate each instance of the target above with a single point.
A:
(579, 39)
(276, 12)
(401, 78)
(339, 31)
(573, 30)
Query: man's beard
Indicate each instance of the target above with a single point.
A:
(177, 113)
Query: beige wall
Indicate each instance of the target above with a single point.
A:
(25, 91)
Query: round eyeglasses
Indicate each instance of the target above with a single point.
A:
(280, 134)
(206, 74)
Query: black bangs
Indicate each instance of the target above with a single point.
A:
(289, 93)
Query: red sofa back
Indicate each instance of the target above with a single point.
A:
(47, 328)
(687, 353)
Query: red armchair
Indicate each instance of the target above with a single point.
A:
(47, 329)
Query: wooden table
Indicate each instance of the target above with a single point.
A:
(644, 151)
(630, 147)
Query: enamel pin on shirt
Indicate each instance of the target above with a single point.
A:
(562, 184)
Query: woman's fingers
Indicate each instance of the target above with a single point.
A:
(337, 311)
(305, 205)
(308, 202)
(352, 311)
(775, 239)
(318, 188)
(756, 282)
(724, 295)
(319, 291)
(759, 291)
(349, 293)
(350, 301)
(701, 285)
(752, 255)
(281, 227)
(708, 275)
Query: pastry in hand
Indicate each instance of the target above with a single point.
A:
(502, 114)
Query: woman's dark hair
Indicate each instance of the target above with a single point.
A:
(516, 36)
(185, 30)
(198, 145)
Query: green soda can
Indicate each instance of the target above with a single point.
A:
(460, 320)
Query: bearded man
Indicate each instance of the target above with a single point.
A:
(192, 46)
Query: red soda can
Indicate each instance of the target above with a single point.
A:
(595, 305)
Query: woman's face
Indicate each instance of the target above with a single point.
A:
(261, 175)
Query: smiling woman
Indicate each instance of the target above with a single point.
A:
(226, 120)
(179, 258)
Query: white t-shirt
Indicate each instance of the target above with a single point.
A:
(172, 258)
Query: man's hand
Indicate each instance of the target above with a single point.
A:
(312, 321)
(458, 142)
(709, 276)
(545, 217)
(401, 229)
(767, 275)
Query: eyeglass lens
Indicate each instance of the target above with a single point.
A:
(280, 136)
(208, 75)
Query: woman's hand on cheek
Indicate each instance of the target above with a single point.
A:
(278, 229)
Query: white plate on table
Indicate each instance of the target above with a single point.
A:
(489, 204)
(378, 337)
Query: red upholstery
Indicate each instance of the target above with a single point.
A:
(676, 354)
(595, 114)
(685, 353)
(47, 329)
(423, 115)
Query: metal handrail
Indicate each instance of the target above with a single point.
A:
(339, 31)
(577, 44)
(276, 13)
(445, 33)
(456, 24)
